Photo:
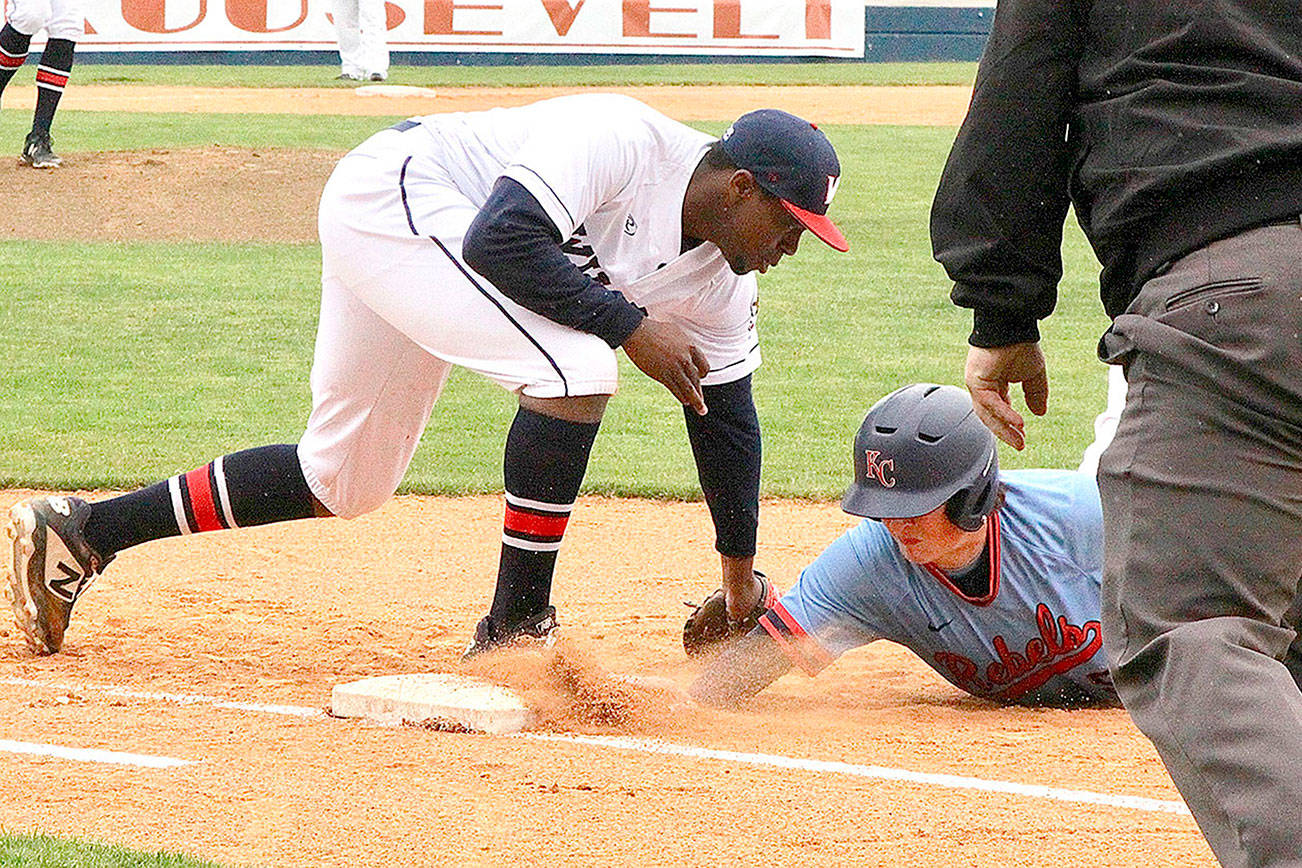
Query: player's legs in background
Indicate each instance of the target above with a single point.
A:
(373, 35)
(52, 73)
(1203, 536)
(1105, 423)
(13, 52)
(64, 25)
(346, 14)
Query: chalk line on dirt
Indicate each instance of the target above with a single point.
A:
(655, 747)
(91, 755)
(956, 782)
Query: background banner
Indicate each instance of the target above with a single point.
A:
(832, 28)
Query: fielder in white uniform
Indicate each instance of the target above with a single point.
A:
(64, 24)
(525, 244)
(362, 29)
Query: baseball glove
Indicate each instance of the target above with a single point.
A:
(709, 624)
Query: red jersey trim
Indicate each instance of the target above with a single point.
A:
(802, 649)
(992, 545)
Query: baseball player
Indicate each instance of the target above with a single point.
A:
(525, 244)
(991, 578)
(362, 30)
(64, 25)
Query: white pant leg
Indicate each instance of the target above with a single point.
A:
(1105, 424)
(391, 229)
(374, 36)
(347, 31)
(372, 391)
(28, 16)
(67, 20)
(398, 309)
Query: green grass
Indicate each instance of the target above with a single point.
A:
(43, 851)
(104, 131)
(125, 363)
(815, 72)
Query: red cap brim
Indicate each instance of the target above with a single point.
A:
(819, 225)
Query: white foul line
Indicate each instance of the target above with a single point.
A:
(89, 755)
(954, 782)
(651, 746)
(175, 698)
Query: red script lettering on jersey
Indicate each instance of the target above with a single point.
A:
(1059, 647)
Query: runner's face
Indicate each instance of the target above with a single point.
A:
(928, 539)
(757, 229)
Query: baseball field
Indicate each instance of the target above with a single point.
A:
(159, 311)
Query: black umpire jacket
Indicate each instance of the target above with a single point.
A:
(1167, 124)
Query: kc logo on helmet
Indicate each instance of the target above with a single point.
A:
(879, 469)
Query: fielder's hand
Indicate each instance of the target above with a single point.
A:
(709, 624)
(662, 351)
(988, 373)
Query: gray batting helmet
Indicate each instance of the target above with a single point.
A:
(919, 447)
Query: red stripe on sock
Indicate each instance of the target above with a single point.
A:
(533, 524)
(43, 77)
(10, 62)
(201, 499)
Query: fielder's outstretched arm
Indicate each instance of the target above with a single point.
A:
(726, 447)
(741, 670)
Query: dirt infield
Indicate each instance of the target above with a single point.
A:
(207, 650)
(281, 614)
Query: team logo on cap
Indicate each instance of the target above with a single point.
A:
(832, 183)
(879, 469)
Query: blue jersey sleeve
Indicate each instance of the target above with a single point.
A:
(837, 603)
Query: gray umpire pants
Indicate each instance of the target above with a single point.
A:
(1202, 509)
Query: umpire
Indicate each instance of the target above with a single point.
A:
(1175, 130)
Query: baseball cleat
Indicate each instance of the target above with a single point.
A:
(52, 565)
(538, 630)
(377, 76)
(38, 151)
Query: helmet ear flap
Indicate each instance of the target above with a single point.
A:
(968, 507)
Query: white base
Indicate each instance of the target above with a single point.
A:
(393, 90)
(440, 699)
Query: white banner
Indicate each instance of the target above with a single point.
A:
(832, 28)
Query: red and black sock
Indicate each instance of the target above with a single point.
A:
(243, 489)
(13, 51)
(52, 72)
(544, 465)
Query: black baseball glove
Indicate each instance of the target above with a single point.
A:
(709, 625)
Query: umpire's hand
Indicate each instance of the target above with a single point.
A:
(663, 352)
(988, 373)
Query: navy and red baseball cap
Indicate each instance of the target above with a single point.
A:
(792, 159)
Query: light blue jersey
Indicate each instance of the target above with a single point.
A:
(1035, 638)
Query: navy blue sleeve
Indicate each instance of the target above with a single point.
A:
(514, 244)
(726, 446)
